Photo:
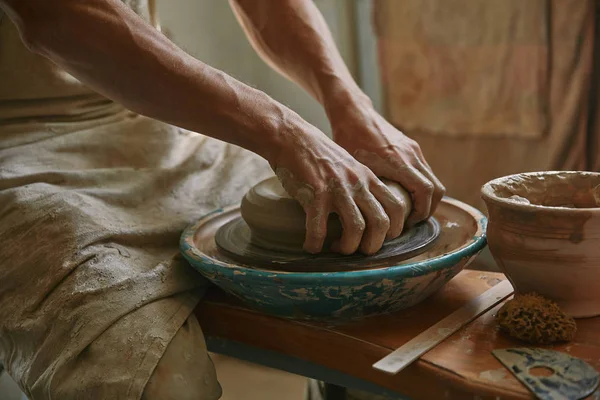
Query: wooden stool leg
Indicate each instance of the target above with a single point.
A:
(334, 392)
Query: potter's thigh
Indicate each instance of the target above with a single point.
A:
(185, 370)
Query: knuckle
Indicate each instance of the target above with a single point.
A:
(428, 188)
(396, 203)
(382, 222)
(441, 191)
(358, 225)
(377, 183)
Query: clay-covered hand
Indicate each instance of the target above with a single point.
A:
(326, 179)
(390, 154)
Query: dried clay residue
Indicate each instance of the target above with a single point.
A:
(494, 375)
(562, 190)
(534, 319)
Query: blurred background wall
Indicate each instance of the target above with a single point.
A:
(208, 30)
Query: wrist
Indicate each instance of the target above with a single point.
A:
(340, 97)
(287, 133)
(261, 124)
(350, 114)
(345, 101)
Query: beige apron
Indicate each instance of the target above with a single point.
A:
(93, 199)
(491, 88)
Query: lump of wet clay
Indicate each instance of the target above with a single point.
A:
(278, 222)
(536, 320)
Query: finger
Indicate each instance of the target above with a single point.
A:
(394, 207)
(353, 225)
(421, 190)
(377, 222)
(438, 188)
(423, 166)
(316, 226)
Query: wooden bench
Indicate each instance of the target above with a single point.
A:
(459, 368)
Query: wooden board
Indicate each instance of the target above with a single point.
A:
(434, 335)
(460, 367)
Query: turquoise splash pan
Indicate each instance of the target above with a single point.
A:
(340, 295)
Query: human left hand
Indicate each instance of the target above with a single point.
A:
(390, 154)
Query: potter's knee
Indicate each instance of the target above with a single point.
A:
(185, 370)
(177, 385)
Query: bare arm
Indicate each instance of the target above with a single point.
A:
(108, 47)
(293, 37)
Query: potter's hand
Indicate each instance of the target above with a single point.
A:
(389, 154)
(325, 178)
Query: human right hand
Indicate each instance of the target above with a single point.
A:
(325, 178)
(390, 154)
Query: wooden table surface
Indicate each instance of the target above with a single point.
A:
(461, 367)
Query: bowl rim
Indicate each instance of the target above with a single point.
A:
(489, 196)
(410, 270)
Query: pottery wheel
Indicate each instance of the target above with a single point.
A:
(234, 240)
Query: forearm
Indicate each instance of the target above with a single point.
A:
(108, 47)
(293, 37)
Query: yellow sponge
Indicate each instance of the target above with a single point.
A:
(535, 319)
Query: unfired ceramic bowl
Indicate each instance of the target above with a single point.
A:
(544, 233)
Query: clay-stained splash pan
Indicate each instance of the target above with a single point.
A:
(350, 294)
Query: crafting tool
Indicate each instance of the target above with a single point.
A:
(425, 341)
(569, 378)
